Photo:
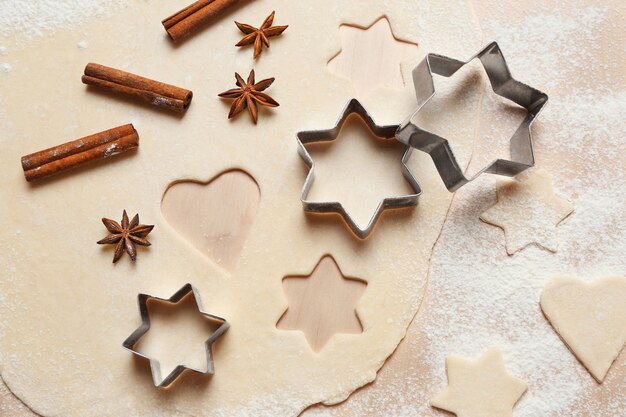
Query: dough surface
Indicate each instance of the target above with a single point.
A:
(66, 310)
(590, 318)
(528, 211)
(480, 388)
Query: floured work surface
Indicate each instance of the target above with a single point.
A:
(478, 296)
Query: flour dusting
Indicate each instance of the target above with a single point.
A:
(478, 296)
(28, 19)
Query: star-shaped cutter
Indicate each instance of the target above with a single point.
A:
(503, 84)
(386, 132)
(155, 366)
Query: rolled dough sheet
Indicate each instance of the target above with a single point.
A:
(65, 309)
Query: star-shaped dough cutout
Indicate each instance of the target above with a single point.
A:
(185, 302)
(528, 211)
(371, 56)
(322, 303)
(479, 388)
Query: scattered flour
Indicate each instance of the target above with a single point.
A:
(4, 67)
(547, 38)
(27, 19)
(82, 44)
(488, 298)
(477, 295)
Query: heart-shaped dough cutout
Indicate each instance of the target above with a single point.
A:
(214, 216)
(590, 318)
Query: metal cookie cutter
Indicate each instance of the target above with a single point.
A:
(329, 135)
(155, 366)
(504, 85)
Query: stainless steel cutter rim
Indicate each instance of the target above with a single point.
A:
(504, 85)
(329, 135)
(155, 366)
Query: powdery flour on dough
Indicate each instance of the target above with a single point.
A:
(27, 19)
(66, 309)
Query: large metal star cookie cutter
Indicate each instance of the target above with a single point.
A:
(503, 84)
(155, 366)
(329, 135)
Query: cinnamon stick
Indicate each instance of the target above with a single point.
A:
(72, 154)
(194, 16)
(155, 92)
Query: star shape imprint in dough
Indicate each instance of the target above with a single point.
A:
(528, 211)
(371, 56)
(480, 388)
(322, 303)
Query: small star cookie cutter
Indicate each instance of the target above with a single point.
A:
(503, 84)
(329, 135)
(155, 366)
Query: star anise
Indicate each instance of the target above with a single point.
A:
(259, 36)
(126, 236)
(248, 95)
